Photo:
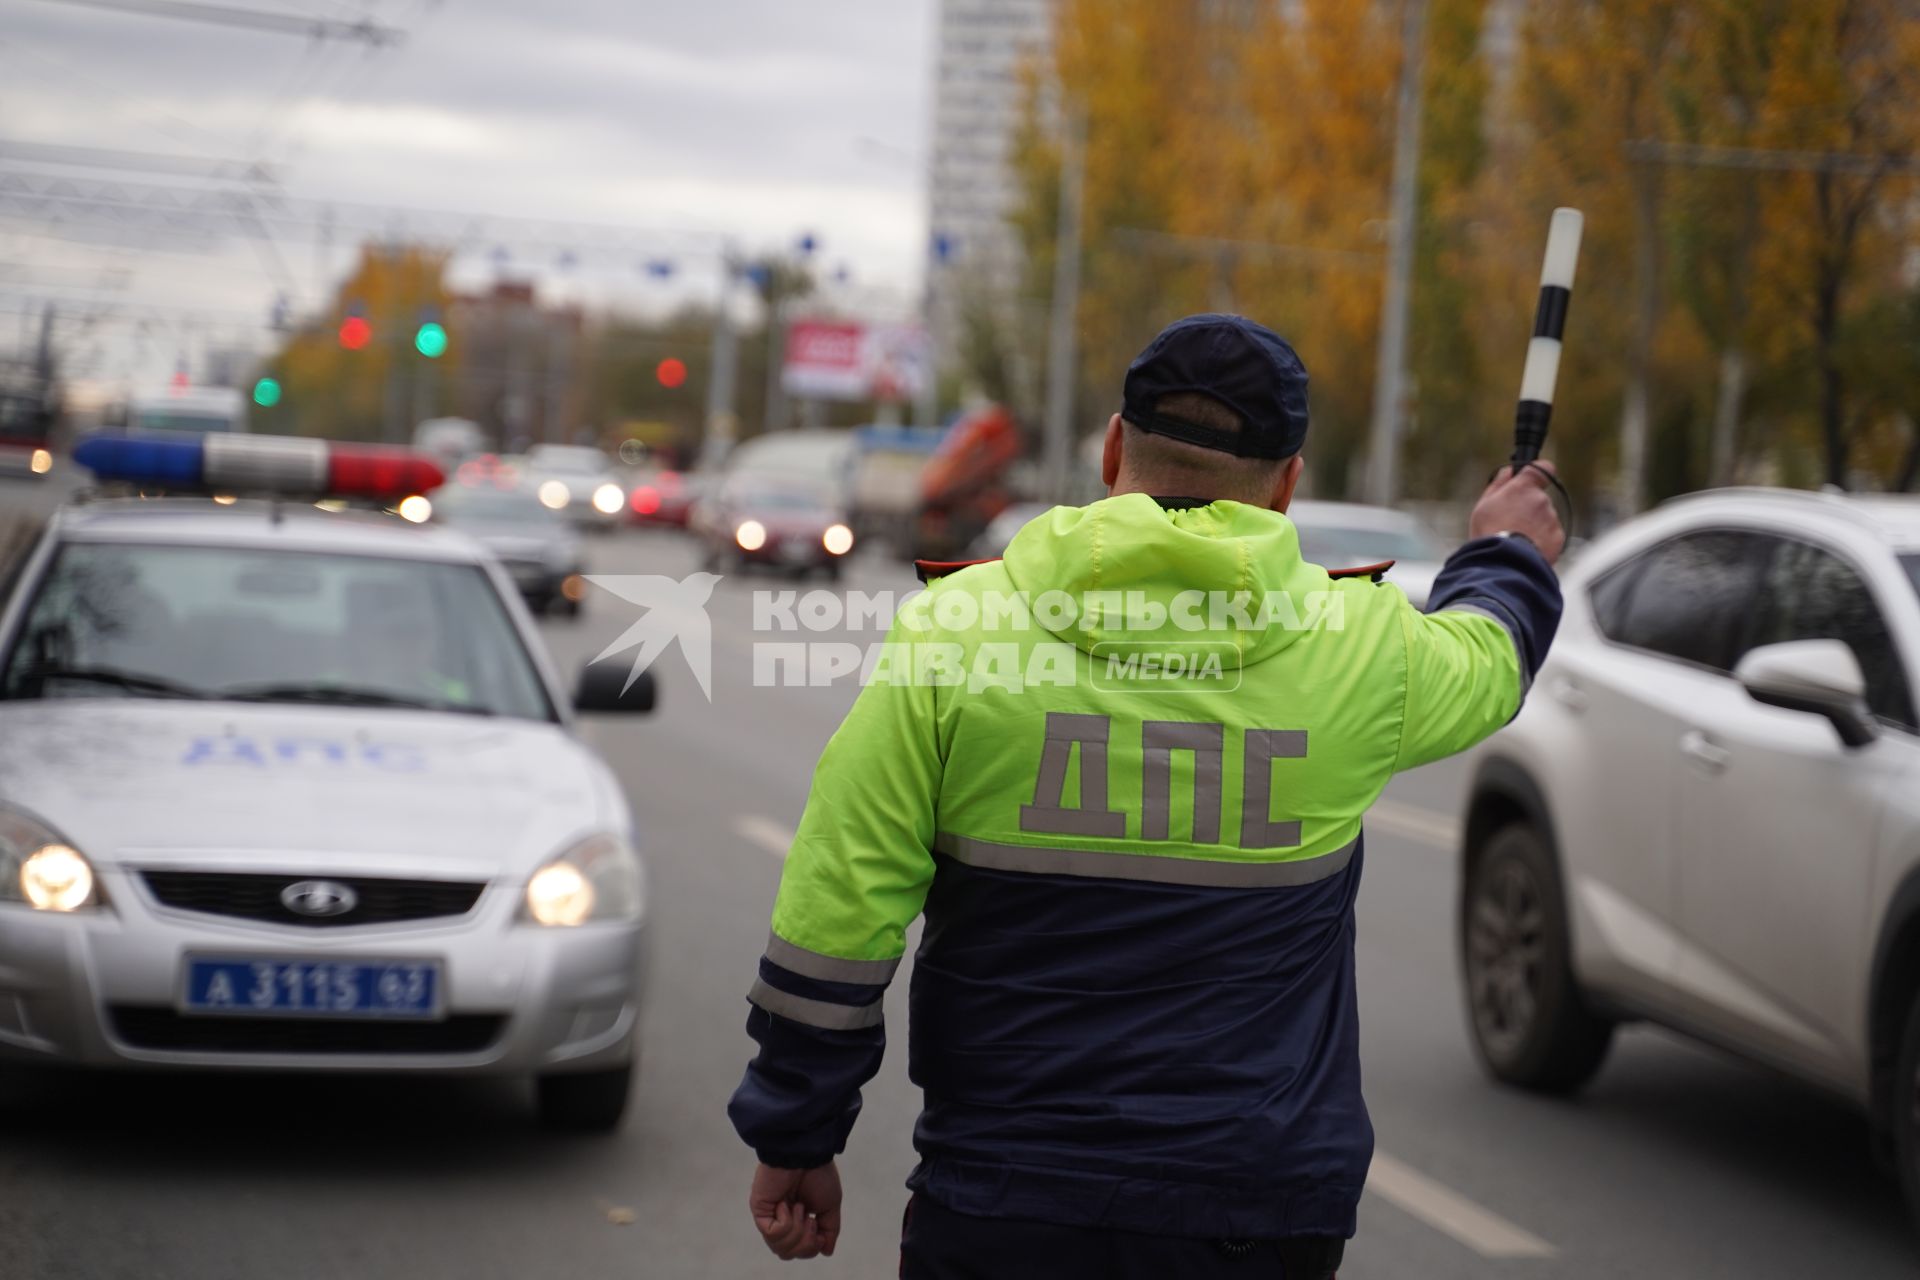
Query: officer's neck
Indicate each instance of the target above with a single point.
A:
(1173, 499)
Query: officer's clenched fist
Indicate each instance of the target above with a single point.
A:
(797, 1210)
(1519, 504)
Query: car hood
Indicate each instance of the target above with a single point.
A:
(517, 542)
(343, 790)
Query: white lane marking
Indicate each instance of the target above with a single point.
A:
(1481, 1230)
(775, 838)
(1412, 822)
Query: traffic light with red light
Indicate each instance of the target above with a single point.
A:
(355, 333)
(671, 372)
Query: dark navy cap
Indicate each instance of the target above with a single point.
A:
(1245, 366)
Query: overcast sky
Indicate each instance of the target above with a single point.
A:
(759, 119)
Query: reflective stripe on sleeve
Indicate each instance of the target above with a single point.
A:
(813, 964)
(814, 1013)
(1154, 868)
(1506, 625)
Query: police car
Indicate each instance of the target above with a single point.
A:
(283, 788)
(1706, 816)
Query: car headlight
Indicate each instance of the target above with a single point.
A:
(553, 495)
(597, 879)
(751, 535)
(41, 869)
(608, 499)
(838, 539)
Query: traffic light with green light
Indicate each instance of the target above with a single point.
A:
(430, 339)
(266, 393)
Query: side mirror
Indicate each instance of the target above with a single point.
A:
(603, 687)
(1821, 677)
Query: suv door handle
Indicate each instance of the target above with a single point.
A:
(1568, 694)
(1706, 754)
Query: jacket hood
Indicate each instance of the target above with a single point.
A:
(1225, 573)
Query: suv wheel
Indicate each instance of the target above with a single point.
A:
(1906, 1112)
(584, 1102)
(1530, 1024)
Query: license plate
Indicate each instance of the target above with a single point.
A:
(313, 988)
(794, 551)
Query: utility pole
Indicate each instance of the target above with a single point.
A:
(393, 425)
(776, 353)
(723, 370)
(1062, 353)
(1390, 372)
(1636, 404)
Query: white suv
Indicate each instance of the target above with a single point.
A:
(1708, 813)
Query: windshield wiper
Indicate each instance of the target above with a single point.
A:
(130, 681)
(345, 695)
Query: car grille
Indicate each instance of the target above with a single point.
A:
(252, 896)
(153, 1027)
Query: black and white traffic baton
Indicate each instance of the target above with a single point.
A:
(1549, 324)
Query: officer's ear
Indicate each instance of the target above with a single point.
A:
(1289, 478)
(1110, 453)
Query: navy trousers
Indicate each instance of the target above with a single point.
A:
(938, 1244)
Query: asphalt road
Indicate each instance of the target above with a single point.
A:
(1675, 1163)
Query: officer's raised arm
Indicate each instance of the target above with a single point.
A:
(855, 878)
(1490, 616)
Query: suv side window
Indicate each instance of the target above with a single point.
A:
(1611, 593)
(1812, 594)
(1688, 598)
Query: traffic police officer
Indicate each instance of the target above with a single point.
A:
(1132, 1008)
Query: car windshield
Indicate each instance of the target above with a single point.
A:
(234, 623)
(180, 420)
(757, 498)
(1345, 545)
(474, 504)
(1912, 565)
(578, 460)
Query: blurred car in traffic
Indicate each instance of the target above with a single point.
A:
(994, 539)
(538, 547)
(757, 519)
(665, 497)
(27, 416)
(1350, 535)
(284, 789)
(176, 408)
(1707, 815)
(578, 481)
(450, 441)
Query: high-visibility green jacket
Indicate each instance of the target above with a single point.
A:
(1122, 772)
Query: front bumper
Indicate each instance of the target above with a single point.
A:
(100, 988)
(788, 551)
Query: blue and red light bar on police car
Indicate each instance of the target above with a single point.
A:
(285, 465)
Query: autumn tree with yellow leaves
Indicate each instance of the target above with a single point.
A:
(379, 390)
(1746, 305)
